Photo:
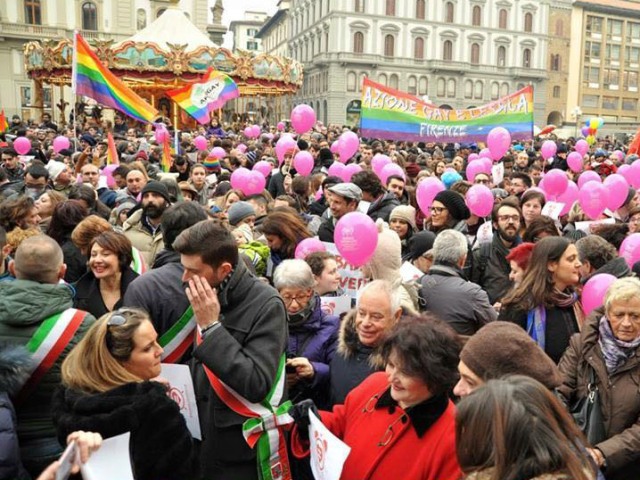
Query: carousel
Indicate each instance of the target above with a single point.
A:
(170, 53)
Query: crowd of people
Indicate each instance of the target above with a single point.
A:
(468, 370)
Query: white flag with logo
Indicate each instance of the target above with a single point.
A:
(328, 452)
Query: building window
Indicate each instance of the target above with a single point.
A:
(495, 91)
(412, 85)
(420, 9)
(632, 55)
(141, 19)
(351, 82)
(160, 12)
(441, 87)
(591, 76)
(614, 29)
(389, 45)
(475, 53)
(358, 6)
(528, 22)
(555, 63)
(451, 88)
(477, 91)
(594, 25)
(468, 89)
(252, 32)
(89, 16)
(502, 55)
(610, 103)
(448, 12)
(382, 78)
(32, 12)
(592, 50)
(476, 16)
(393, 81)
(358, 42)
(526, 58)
(447, 50)
(503, 15)
(252, 45)
(418, 48)
(612, 52)
(633, 31)
(559, 28)
(391, 8)
(630, 104)
(422, 86)
(504, 90)
(556, 91)
(591, 101)
(611, 78)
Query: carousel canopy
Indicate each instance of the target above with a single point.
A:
(172, 27)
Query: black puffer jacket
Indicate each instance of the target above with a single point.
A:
(161, 445)
(383, 206)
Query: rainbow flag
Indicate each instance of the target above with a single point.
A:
(393, 115)
(210, 93)
(166, 155)
(92, 79)
(4, 125)
(112, 153)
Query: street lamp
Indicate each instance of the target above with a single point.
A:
(577, 112)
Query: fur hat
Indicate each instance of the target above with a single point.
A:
(503, 348)
(454, 202)
(406, 213)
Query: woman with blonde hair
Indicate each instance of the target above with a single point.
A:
(109, 389)
(45, 204)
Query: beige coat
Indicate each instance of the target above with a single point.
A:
(149, 245)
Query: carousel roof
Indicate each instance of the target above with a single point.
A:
(172, 27)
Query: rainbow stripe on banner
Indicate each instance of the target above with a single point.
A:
(92, 79)
(210, 93)
(393, 115)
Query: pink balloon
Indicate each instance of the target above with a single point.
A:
(548, 149)
(618, 189)
(161, 134)
(255, 131)
(248, 132)
(349, 171)
(630, 249)
(593, 198)
(280, 126)
(336, 169)
(619, 154)
(218, 152)
(427, 191)
(22, 145)
(60, 143)
(633, 177)
(498, 141)
(555, 182)
(356, 238)
(574, 160)
(286, 144)
(539, 190)
(479, 200)
(486, 165)
(474, 169)
(348, 145)
(594, 291)
(108, 174)
(568, 197)
(303, 163)
(307, 246)
(241, 148)
(239, 178)
(263, 167)
(254, 184)
(588, 176)
(378, 162)
(303, 118)
(486, 153)
(391, 169)
(200, 142)
(625, 171)
(472, 157)
(582, 147)
(334, 147)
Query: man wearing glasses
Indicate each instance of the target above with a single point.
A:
(241, 342)
(490, 267)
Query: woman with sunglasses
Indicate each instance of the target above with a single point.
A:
(399, 423)
(109, 389)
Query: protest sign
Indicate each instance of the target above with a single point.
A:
(328, 452)
(352, 278)
(181, 391)
(335, 305)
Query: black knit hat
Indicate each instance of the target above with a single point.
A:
(454, 202)
(156, 187)
(503, 348)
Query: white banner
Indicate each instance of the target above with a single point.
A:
(181, 391)
(328, 452)
(335, 305)
(352, 277)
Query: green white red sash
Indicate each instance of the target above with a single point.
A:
(138, 264)
(264, 426)
(47, 344)
(177, 340)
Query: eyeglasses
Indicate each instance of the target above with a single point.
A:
(299, 299)
(118, 317)
(506, 218)
(437, 210)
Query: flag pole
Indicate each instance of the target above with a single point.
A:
(74, 70)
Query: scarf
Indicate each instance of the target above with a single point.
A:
(537, 317)
(300, 318)
(615, 351)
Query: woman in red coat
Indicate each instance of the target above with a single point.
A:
(400, 423)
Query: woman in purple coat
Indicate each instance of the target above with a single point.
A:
(312, 333)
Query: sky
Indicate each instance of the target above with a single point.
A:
(234, 10)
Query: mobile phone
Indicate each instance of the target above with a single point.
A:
(68, 458)
(290, 369)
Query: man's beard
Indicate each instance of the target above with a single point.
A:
(507, 237)
(153, 211)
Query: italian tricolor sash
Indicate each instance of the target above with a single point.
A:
(264, 426)
(138, 264)
(177, 340)
(47, 344)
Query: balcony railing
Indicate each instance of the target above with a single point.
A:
(30, 32)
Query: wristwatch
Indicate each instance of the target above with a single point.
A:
(209, 327)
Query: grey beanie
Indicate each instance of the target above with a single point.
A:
(238, 211)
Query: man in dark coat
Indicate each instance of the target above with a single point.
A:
(599, 256)
(344, 198)
(382, 202)
(242, 324)
(490, 268)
